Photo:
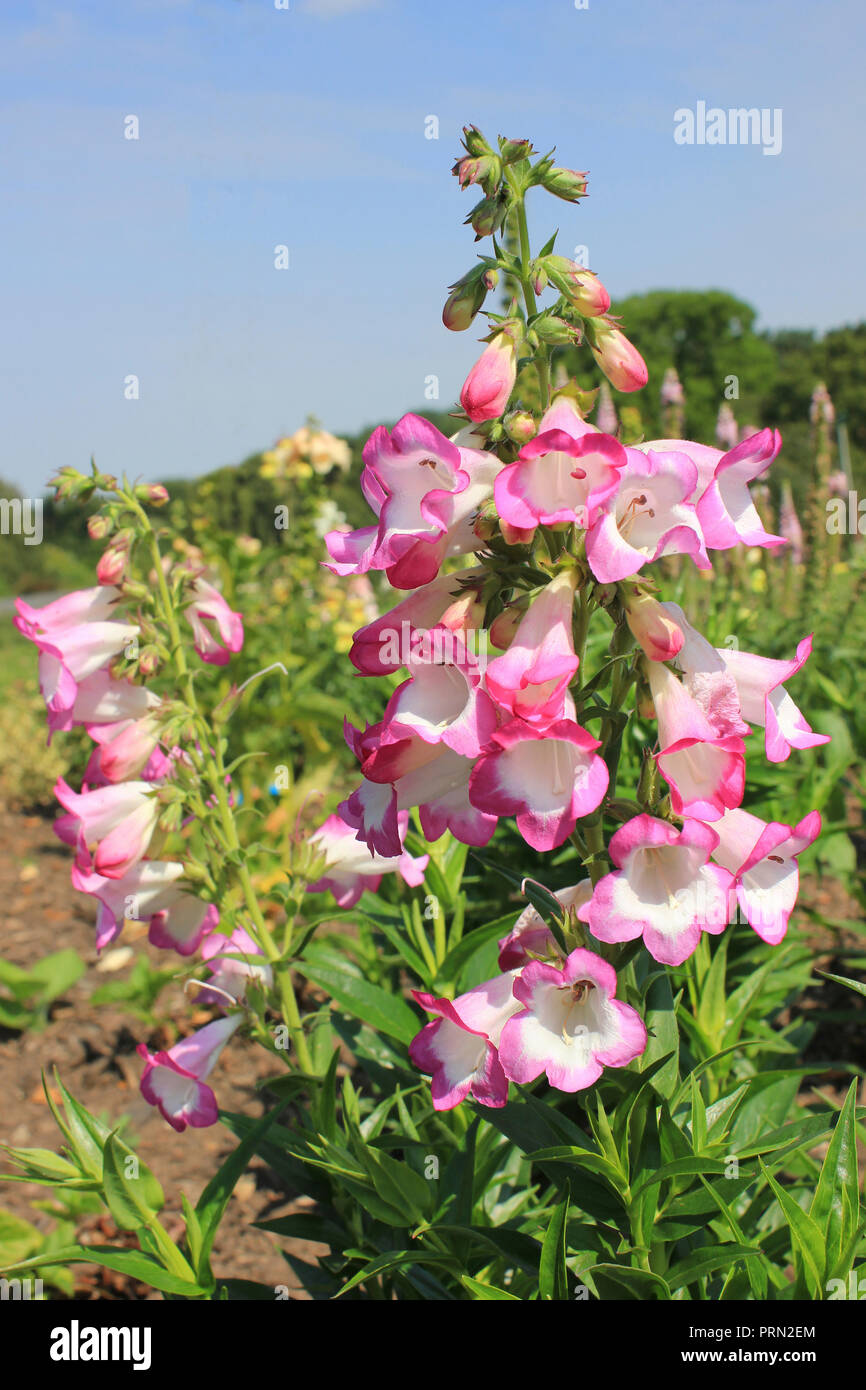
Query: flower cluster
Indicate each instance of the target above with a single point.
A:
(89, 642)
(310, 450)
(504, 542)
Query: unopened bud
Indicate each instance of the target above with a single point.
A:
(99, 527)
(565, 183)
(549, 328)
(581, 287)
(488, 216)
(514, 150)
(652, 627)
(148, 661)
(464, 301)
(504, 626)
(520, 426)
(485, 169)
(619, 359)
(487, 389)
(474, 141)
(516, 535)
(486, 524)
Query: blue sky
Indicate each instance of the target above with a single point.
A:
(306, 127)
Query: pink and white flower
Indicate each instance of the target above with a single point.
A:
(385, 644)
(560, 477)
(174, 1081)
(424, 490)
(151, 891)
(704, 769)
(650, 515)
(110, 827)
(234, 961)
(762, 856)
(530, 680)
(75, 637)
(663, 888)
(443, 700)
(351, 868)
(547, 777)
(207, 606)
(530, 936)
(571, 1026)
(459, 1048)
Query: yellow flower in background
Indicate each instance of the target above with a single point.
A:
(309, 450)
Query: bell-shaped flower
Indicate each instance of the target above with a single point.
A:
(727, 514)
(530, 936)
(410, 773)
(450, 600)
(558, 477)
(571, 1026)
(123, 750)
(111, 825)
(75, 637)
(174, 1081)
(442, 701)
(733, 686)
(349, 866)
(100, 699)
(650, 515)
(213, 644)
(705, 770)
(725, 510)
(534, 673)
(663, 888)
(458, 1049)
(152, 891)
(487, 388)
(762, 856)
(233, 962)
(546, 776)
(764, 700)
(424, 490)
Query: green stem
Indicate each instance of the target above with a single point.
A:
(541, 362)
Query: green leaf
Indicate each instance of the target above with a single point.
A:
(552, 1272)
(387, 1013)
(132, 1200)
(664, 1036)
(394, 1259)
(679, 1167)
(612, 1279)
(486, 1291)
(857, 985)
(132, 1262)
(704, 1261)
(18, 1239)
(214, 1199)
(834, 1216)
(806, 1235)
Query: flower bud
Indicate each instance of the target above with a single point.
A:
(619, 359)
(155, 494)
(99, 527)
(653, 627)
(549, 328)
(504, 626)
(520, 426)
(148, 661)
(516, 535)
(474, 142)
(565, 183)
(581, 287)
(488, 386)
(512, 151)
(490, 278)
(486, 524)
(488, 216)
(485, 169)
(112, 563)
(464, 301)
